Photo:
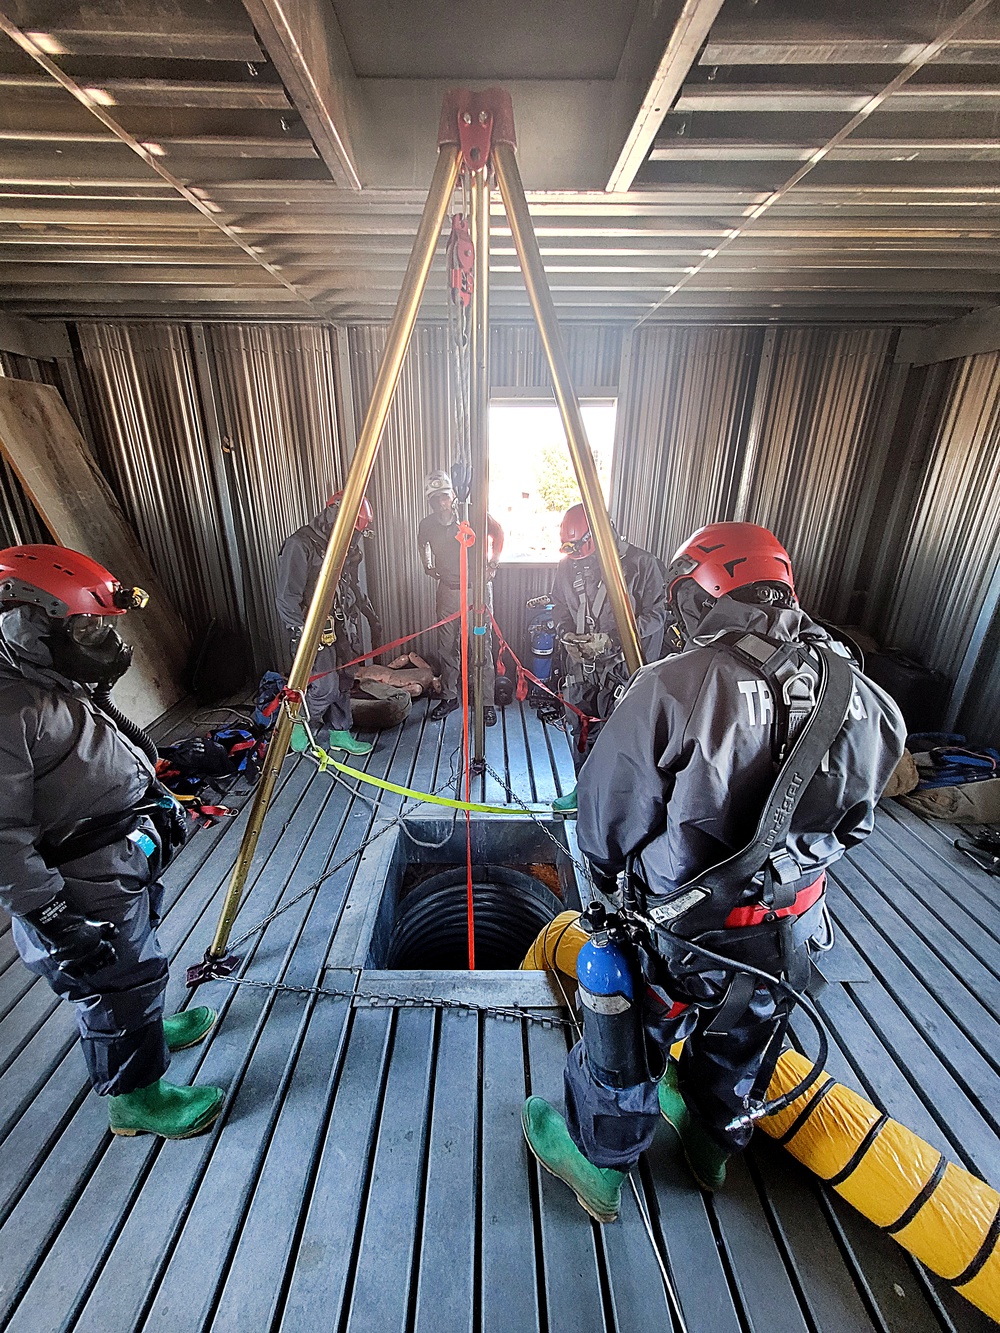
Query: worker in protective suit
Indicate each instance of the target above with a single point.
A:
(85, 831)
(681, 775)
(596, 675)
(440, 553)
(328, 699)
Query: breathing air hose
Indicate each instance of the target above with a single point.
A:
(102, 698)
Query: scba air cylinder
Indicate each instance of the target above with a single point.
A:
(612, 1020)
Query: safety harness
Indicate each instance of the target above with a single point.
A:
(709, 915)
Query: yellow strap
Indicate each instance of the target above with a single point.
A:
(421, 795)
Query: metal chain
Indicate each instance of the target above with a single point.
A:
(533, 816)
(379, 999)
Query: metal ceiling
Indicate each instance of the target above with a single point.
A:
(686, 160)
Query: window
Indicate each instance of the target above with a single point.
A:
(532, 482)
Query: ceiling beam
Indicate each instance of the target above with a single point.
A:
(251, 94)
(759, 97)
(688, 34)
(31, 47)
(968, 336)
(787, 50)
(307, 48)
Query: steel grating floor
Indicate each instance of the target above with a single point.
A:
(370, 1175)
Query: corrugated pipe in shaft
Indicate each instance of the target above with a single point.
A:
(510, 909)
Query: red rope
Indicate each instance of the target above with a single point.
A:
(466, 538)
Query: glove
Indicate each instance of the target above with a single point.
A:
(585, 646)
(80, 947)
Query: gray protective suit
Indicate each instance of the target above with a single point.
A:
(440, 553)
(679, 776)
(328, 700)
(64, 764)
(581, 606)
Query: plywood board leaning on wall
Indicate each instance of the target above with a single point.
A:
(43, 445)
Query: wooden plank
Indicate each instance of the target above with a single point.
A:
(943, 1096)
(40, 440)
(253, 1283)
(760, 1277)
(107, 1187)
(863, 1062)
(890, 1277)
(220, 1186)
(689, 1241)
(516, 747)
(965, 989)
(924, 1008)
(446, 1259)
(928, 847)
(319, 1278)
(959, 913)
(508, 1274)
(198, 1260)
(382, 1279)
(822, 1274)
(574, 1301)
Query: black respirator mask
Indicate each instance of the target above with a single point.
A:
(89, 650)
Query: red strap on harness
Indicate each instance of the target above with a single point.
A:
(756, 914)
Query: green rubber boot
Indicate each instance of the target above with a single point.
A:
(189, 1027)
(343, 740)
(598, 1189)
(565, 805)
(162, 1108)
(706, 1160)
(299, 741)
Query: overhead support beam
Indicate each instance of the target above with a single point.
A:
(689, 33)
(27, 337)
(304, 41)
(787, 49)
(29, 43)
(968, 336)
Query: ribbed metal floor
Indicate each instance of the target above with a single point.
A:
(370, 1173)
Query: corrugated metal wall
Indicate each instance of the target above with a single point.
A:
(771, 427)
(221, 440)
(942, 589)
(278, 418)
(141, 385)
(680, 431)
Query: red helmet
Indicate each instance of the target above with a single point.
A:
(364, 517)
(725, 556)
(575, 535)
(63, 583)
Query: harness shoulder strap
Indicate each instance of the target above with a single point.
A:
(800, 766)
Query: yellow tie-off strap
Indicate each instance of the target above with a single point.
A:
(428, 796)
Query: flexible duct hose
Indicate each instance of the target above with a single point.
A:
(135, 733)
(943, 1215)
(431, 930)
(557, 946)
